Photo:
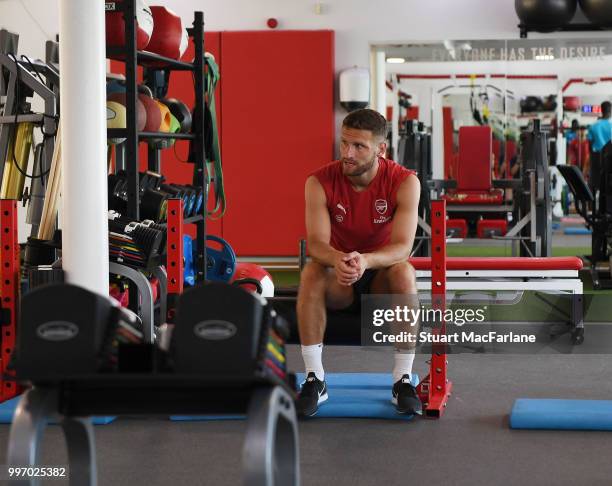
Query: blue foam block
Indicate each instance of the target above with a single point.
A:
(103, 420)
(576, 231)
(354, 395)
(558, 414)
(7, 409)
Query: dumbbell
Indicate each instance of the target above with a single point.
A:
(177, 192)
(217, 312)
(154, 205)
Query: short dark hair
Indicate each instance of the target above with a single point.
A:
(606, 108)
(366, 119)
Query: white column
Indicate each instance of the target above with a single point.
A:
(437, 136)
(560, 142)
(396, 112)
(82, 54)
(381, 88)
(556, 191)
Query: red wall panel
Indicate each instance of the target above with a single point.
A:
(278, 127)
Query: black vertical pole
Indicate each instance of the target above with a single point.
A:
(200, 149)
(131, 144)
(11, 106)
(152, 80)
(154, 160)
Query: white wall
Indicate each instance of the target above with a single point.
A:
(357, 23)
(36, 21)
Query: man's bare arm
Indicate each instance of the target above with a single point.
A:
(318, 225)
(404, 227)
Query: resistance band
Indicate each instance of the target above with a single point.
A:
(211, 83)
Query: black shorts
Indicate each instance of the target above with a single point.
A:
(362, 286)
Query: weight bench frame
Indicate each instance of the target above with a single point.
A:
(546, 281)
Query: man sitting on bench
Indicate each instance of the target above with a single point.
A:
(361, 219)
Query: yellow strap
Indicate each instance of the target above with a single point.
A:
(275, 353)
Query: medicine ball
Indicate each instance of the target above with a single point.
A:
(180, 111)
(115, 115)
(154, 115)
(175, 125)
(598, 11)
(163, 143)
(550, 103)
(531, 104)
(141, 117)
(169, 37)
(571, 103)
(115, 26)
(547, 14)
(115, 118)
(115, 86)
(164, 125)
(169, 124)
(253, 277)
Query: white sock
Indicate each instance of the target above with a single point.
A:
(403, 363)
(312, 360)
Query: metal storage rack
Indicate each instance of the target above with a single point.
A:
(157, 74)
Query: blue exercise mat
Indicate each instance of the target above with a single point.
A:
(354, 395)
(576, 231)
(360, 395)
(7, 409)
(559, 414)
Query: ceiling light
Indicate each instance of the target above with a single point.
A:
(396, 60)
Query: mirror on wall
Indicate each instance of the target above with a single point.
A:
(487, 101)
(501, 83)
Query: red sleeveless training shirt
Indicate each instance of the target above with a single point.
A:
(361, 221)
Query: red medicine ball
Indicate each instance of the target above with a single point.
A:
(169, 38)
(252, 271)
(571, 103)
(115, 26)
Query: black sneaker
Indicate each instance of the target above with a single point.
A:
(405, 397)
(314, 392)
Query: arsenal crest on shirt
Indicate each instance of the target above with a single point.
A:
(381, 206)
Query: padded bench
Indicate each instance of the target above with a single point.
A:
(474, 185)
(487, 228)
(456, 228)
(552, 274)
(515, 274)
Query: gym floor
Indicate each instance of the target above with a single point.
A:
(471, 445)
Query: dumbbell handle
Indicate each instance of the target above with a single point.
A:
(246, 281)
